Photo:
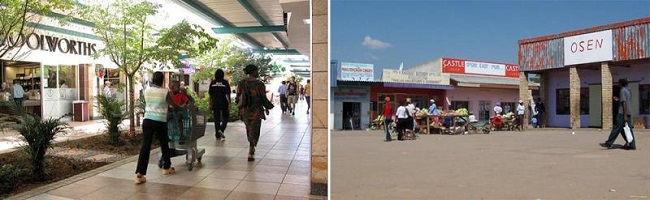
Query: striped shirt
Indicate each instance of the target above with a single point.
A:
(156, 104)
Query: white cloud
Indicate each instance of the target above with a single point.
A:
(374, 43)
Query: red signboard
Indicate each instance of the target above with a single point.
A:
(512, 71)
(457, 66)
(450, 65)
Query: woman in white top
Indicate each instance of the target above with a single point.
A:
(404, 120)
(520, 115)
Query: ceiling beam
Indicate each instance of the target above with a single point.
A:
(261, 20)
(248, 29)
(219, 19)
(278, 51)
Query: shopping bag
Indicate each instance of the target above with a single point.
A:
(628, 133)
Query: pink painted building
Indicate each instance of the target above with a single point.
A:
(478, 85)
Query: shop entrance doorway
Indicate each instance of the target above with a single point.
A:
(351, 116)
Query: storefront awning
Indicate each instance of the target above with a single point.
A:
(469, 79)
(418, 86)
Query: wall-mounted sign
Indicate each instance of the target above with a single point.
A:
(36, 41)
(588, 48)
(352, 93)
(457, 66)
(392, 75)
(357, 72)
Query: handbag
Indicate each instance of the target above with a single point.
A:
(628, 133)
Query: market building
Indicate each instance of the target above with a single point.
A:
(477, 85)
(580, 70)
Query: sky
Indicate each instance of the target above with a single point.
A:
(387, 33)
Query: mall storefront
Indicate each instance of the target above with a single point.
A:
(55, 67)
(580, 72)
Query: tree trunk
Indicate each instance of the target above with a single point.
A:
(131, 106)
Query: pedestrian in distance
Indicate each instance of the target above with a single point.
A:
(220, 103)
(388, 117)
(253, 105)
(282, 90)
(623, 119)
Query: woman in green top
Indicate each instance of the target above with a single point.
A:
(252, 101)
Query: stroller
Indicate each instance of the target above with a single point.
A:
(483, 126)
(193, 128)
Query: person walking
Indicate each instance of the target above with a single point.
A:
(403, 120)
(541, 109)
(388, 117)
(107, 89)
(292, 91)
(18, 94)
(308, 95)
(412, 110)
(282, 90)
(252, 103)
(220, 103)
(521, 109)
(157, 101)
(623, 119)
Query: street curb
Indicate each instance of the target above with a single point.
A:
(78, 177)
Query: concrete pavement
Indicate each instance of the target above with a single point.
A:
(535, 164)
(281, 169)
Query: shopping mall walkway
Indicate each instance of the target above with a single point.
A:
(280, 171)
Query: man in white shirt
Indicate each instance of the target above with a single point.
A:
(107, 89)
(497, 109)
(520, 115)
(412, 111)
(282, 90)
(402, 120)
(18, 93)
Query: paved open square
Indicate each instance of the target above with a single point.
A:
(535, 164)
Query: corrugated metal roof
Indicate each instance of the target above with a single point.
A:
(586, 30)
(548, 54)
(487, 80)
(631, 42)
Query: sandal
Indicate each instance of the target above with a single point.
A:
(139, 179)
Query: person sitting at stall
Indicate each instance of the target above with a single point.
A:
(497, 121)
(434, 112)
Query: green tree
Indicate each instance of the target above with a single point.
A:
(19, 17)
(128, 33)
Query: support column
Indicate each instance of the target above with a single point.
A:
(606, 81)
(524, 95)
(319, 115)
(574, 94)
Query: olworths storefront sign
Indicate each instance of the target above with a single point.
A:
(36, 41)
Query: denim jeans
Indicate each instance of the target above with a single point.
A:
(387, 122)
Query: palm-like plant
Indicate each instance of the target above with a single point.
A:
(112, 110)
(37, 133)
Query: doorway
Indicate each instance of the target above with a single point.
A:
(351, 116)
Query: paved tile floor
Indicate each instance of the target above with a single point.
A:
(280, 171)
(535, 164)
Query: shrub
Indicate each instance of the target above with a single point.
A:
(203, 105)
(10, 176)
(36, 132)
(39, 135)
(112, 110)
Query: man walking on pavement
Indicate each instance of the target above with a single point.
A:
(283, 96)
(220, 103)
(623, 118)
(388, 118)
(292, 91)
(308, 95)
(18, 93)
